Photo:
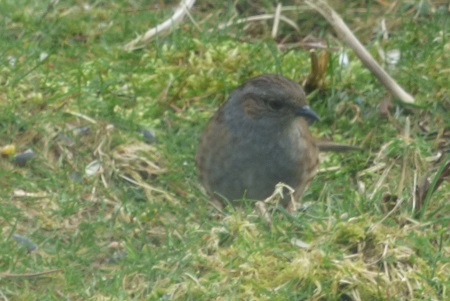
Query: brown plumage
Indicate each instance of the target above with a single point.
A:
(258, 138)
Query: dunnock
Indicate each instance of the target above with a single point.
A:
(258, 138)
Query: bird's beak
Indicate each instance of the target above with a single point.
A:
(308, 113)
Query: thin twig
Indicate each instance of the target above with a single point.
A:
(276, 21)
(399, 202)
(30, 274)
(259, 18)
(87, 118)
(167, 25)
(347, 35)
(143, 185)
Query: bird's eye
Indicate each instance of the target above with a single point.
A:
(275, 105)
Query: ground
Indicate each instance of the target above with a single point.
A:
(106, 204)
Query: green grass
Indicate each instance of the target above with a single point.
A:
(101, 237)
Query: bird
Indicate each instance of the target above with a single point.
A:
(259, 137)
